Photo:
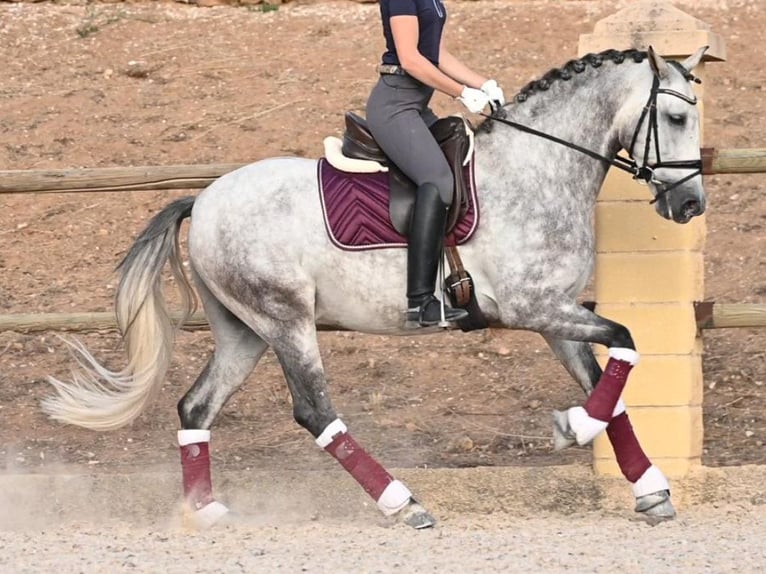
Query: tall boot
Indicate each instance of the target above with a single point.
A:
(424, 253)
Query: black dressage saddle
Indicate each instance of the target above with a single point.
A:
(451, 135)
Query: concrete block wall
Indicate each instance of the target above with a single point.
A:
(649, 271)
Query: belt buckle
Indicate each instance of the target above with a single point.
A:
(390, 69)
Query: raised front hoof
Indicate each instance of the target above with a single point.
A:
(416, 516)
(207, 516)
(563, 435)
(655, 508)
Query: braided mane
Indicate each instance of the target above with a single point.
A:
(577, 66)
(565, 73)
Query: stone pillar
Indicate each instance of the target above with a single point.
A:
(649, 271)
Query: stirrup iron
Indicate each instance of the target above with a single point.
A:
(443, 323)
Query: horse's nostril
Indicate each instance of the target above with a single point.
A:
(691, 208)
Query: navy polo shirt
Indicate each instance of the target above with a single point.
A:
(431, 17)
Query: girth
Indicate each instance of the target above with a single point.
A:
(450, 134)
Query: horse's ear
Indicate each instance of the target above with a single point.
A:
(658, 64)
(692, 61)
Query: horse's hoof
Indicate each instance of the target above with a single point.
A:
(563, 435)
(655, 507)
(416, 516)
(207, 516)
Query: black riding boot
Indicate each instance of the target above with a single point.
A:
(424, 253)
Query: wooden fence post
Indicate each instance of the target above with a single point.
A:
(650, 271)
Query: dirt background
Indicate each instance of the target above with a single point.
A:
(88, 85)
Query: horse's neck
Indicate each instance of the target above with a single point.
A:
(582, 112)
(583, 109)
(530, 186)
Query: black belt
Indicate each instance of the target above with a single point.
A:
(391, 70)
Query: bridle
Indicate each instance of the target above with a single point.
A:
(645, 172)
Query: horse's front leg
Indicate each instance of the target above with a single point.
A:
(605, 410)
(649, 485)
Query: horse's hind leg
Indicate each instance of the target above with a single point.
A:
(237, 351)
(650, 487)
(298, 353)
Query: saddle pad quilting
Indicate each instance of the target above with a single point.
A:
(355, 209)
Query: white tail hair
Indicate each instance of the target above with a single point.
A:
(100, 399)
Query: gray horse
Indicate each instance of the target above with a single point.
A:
(268, 276)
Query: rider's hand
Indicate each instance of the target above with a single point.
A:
(473, 99)
(494, 92)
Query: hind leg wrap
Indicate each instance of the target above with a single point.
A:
(195, 465)
(390, 494)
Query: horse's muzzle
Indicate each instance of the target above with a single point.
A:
(683, 211)
(681, 205)
(691, 208)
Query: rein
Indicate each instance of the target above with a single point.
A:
(644, 172)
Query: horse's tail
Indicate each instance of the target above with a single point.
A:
(98, 398)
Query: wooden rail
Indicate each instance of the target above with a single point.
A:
(709, 315)
(198, 176)
(712, 315)
(716, 161)
(102, 321)
(113, 178)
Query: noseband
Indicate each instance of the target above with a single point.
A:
(645, 172)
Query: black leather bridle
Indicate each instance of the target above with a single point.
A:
(644, 172)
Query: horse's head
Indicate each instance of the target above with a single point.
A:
(661, 132)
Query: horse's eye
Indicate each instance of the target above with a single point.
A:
(677, 119)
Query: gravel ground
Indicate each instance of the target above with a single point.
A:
(548, 519)
(706, 539)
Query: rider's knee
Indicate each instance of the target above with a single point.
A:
(444, 182)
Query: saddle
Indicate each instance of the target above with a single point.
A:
(455, 137)
(359, 152)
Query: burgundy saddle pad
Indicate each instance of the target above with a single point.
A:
(355, 209)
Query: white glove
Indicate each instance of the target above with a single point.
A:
(494, 92)
(473, 99)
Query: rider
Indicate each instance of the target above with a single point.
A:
(415, 64)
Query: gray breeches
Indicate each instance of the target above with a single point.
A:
(399, 117)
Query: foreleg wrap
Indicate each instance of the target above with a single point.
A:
(601, 402)
(630, 456)
(604, 402)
